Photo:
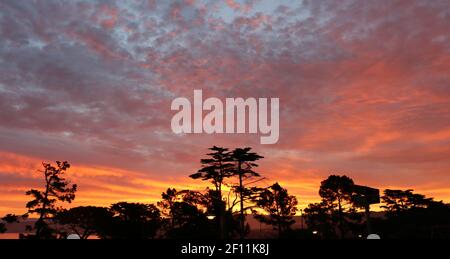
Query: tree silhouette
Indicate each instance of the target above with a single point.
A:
(319, 218)
(216, 169)
(211, 213)
(410, 215)
(397, 201)
(337, 191)
(85, 221)
(280, 206)
(167, 204)
(56, 188)
(11, 218)
(244, 162)
(188, 211)
(133, 221)
(191, 222)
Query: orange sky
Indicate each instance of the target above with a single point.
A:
(102, 186)
(364, 90)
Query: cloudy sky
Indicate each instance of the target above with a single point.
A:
(364, 90)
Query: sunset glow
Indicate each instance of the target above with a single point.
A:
(364, 90)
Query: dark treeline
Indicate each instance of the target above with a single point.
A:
(220, 211)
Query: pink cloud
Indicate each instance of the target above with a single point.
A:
(363, 90)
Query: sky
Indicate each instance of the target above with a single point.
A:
(364, 90)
